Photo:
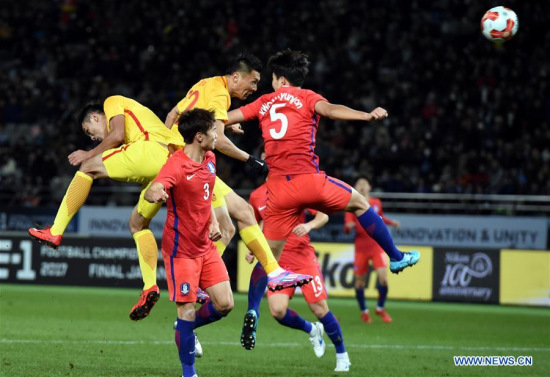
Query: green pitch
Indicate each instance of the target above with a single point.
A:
(69, 331)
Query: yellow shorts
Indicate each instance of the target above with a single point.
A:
(137, 162)
(220, 191)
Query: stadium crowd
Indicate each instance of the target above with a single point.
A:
(465, 116)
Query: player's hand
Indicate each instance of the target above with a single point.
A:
(301, 230)
(396, 224)
(214, 232)
(378, 114)
(235, 128)
(249, 257)
(158, 196)
(77, 157)
(258, 165)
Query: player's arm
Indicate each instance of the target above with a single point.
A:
(395, 223)
(155, 193)
(172, 117)
(317, 222)
(113, 139)
(226, 146)
(342, 112)
(214, 232)
(349, 223)
(234, 116)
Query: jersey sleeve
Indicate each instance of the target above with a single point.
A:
(218, 104)
(170, 174)
(251, 110)
(113, 105)
(312, 98)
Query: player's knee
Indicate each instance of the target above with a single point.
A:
(277, 311)
(319, 310)
(225, 305)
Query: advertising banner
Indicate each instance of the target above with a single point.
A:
(336, 260)
(525, 277)
(490, 232)
(23, 218)
(105, 262)
(113, 221)
(466, 275)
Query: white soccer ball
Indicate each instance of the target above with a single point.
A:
(499, 24)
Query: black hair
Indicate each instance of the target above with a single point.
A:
(244, 62)
(191, 122)
(91, 108)
(292, 65)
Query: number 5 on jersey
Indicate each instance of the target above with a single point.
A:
(275, 116)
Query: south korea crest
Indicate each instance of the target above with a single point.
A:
(211, 167)
(184, 288)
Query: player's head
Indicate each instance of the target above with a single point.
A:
(288, 68)
(93, 121)
(243, 75)
(198, 126)
(362, 186)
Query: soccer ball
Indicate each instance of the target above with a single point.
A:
(499, 24)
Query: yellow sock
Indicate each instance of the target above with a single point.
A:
(255, 240)
(72, 201)
(148, 253)
(220, 246)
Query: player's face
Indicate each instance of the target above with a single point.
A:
(245, 84)
(363, 187)
(209, 139)
(95, 127)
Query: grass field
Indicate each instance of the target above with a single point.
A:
(70, 331)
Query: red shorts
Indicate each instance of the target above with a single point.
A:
(314, 291)
(361, 261)
(289, 196)
(185, 275)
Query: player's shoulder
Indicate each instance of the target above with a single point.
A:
(117, 98)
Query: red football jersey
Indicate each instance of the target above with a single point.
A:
(189, 185)
(298, 252)
(364, 242)
(289, 126)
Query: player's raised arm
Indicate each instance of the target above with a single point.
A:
(342, 112)
(234, 116)
(172, 117)
(226, 146)
(317, 222)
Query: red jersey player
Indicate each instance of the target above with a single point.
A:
(299, 255)
(365, 250)
(289, 118)
(191, 259)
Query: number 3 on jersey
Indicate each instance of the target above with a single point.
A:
(275, 116)
(206, 188)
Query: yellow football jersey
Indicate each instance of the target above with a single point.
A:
(140, 123)
(209, 94)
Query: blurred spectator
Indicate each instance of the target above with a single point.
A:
(466, 116)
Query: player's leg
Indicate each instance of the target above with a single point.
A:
(147, 249)
(360, 269)
(256, 289)
(74, 199)
(381, 266)
(185, 338)
(222, 215)
(375, 227)
(215, 280)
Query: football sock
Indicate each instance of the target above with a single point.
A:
(185, 340)
(360, 296)
(375, 227)
(255, 240)
(74, 198)
(256, 289)
(334, 332)
(207, 314)
(382, 294)
(293, 320)
(148, 254)
(220, 246)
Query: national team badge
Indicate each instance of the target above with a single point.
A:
(184, 288)
(211, 167)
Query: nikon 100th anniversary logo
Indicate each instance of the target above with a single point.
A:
(466, 275)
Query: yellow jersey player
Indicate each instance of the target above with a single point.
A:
(214, 94)
(134, 145)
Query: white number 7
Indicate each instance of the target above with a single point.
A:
(275, 116)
